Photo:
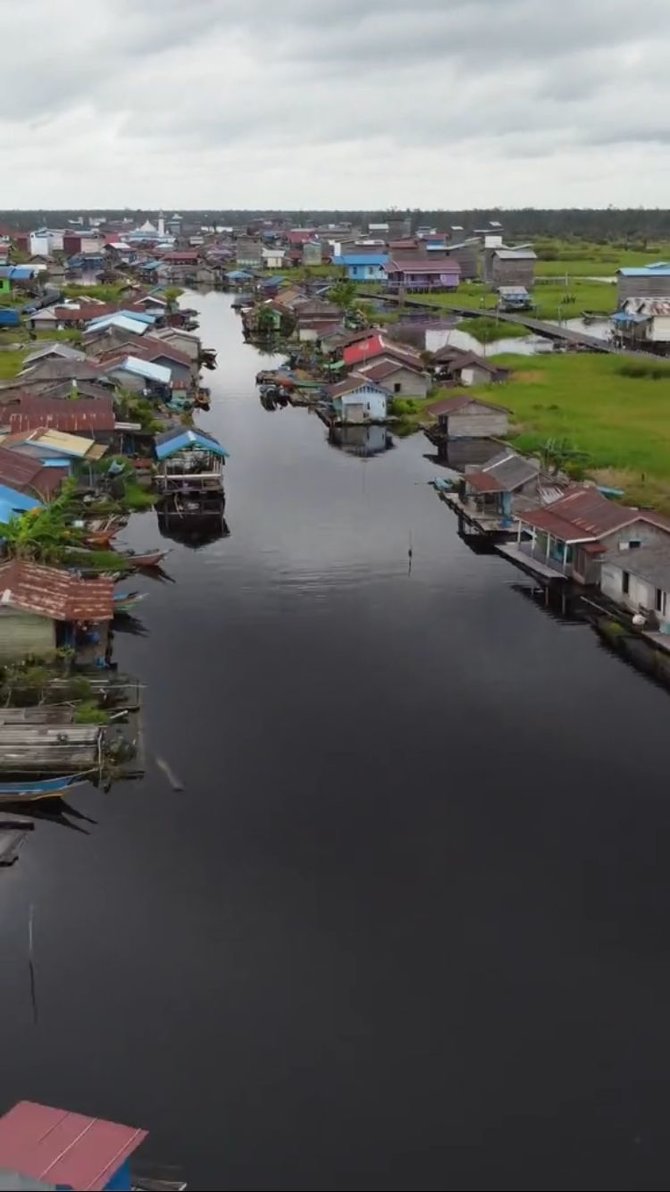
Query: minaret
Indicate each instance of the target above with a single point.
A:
(161, 224)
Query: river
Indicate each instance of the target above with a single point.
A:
(407, 924)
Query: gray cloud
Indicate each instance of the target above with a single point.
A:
(330, 102)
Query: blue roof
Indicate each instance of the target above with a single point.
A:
(18, 272)
(13, 502)
(239, 273)
(172, 442)
(662, 269)
(363, 259)
(140, 315)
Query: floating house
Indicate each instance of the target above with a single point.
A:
(643, 281)
(504, 266)
(358, 400)
(423, 275)
(570, 537)
(513, 298)
(464, 417)
(43, 608)
(639, 581)
(488, 493)
(42, 1147)
(400, 377)
(190, 462)
(644, 323)
(363, 266)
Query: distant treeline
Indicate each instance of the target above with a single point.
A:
(611, 224)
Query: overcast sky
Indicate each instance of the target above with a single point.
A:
(334, 103)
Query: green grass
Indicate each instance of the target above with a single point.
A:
(10, 363)
(552, 298)
(581, 258)
(106, 293)
(487, 330)
(621, 422)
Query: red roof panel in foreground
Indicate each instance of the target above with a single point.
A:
(64, 1148)
(52, 592)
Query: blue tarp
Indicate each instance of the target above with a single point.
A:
(9, 318)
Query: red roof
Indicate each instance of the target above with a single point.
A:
(49, 592)
(27, 474)
(177, 257)
(378, 345)
(584, 515)
(83, 313)
(58, 1147)
(71, 415)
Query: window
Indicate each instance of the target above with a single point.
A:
(659, 603)
(634, 542)
(397, 388)
(625, 582)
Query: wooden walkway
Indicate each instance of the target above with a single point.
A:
(539, 326)
(527, 563)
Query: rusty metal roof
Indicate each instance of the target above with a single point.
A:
(71, 415)
(50, 592)
(24, 472)
(453, 405)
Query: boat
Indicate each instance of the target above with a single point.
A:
(101, 531)
(42, 788)
(149, 558)
(125, 602)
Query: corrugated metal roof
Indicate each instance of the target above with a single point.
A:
(423, 265)
(453, 405)
(353, 383)
(22, 472)
(62, 443)
(641, 309)
(123, 322)
(17, 501)
(380, 259)
(503, 473)
(661, 269)
(172, 441)
(515, 254)
(65, 1148)
(49, 592)
(145, 369)
(71, 416)
(585, 515)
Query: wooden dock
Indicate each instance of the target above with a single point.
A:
(48, 749)
(553, 331)
(488, 526)
(531, 566)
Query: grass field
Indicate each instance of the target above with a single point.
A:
(552, 298)
(620, 422)
(10, 363)
(559, 258)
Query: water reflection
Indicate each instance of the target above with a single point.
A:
(361, 440)
(196, 526)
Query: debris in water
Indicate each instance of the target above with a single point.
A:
(169, 774)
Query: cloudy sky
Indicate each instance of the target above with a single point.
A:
(335, 103)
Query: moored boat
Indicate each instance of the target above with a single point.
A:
(42, 788)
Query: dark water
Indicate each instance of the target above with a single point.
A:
(407, 925)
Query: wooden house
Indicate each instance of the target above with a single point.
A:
(465, 417)
(189, 462)
(421, 274)
(401, 377)
(44, 608)
(488, 493)
(643, 281)
(570, 537)
(358, 400)
(505, 266)
(644, 323)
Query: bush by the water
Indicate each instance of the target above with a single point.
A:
(645, 369)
